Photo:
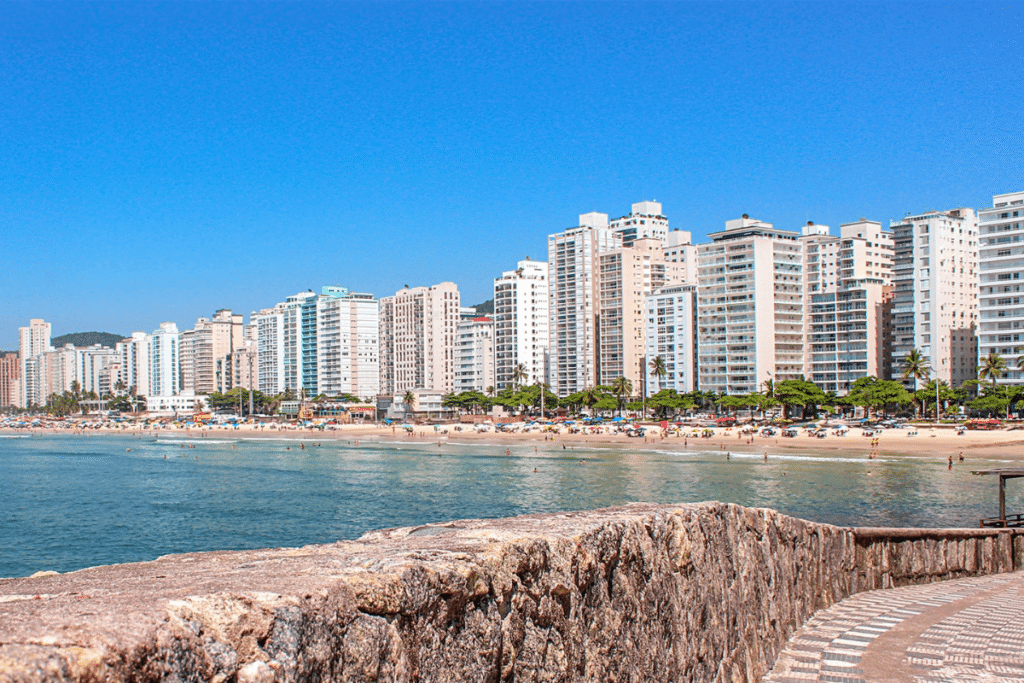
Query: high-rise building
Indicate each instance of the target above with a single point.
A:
(644, 221)
(574, 299)
(419, 326)
(626, 276)
(348, 343)
(521, 322)
(935, 299)
(847, 282)
(204, 351)
(679, 251)
(133, 358)
(164, 369)
(750, 307)
(34, 341)
(672, 336)
(10, 373)
(1001, 267)
(323, 343)
(474, 355)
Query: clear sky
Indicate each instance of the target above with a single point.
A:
(162, 161)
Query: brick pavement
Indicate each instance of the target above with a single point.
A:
(969, 630)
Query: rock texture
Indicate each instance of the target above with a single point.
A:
(705, 592)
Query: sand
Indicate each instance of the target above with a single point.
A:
(928, 442)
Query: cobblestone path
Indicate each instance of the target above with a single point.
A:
(965, 630)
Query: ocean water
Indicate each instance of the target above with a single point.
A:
(73, 502)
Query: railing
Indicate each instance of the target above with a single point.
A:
(1011, 521)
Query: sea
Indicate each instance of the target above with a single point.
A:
(70, 502)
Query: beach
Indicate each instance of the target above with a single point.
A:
(919, 441)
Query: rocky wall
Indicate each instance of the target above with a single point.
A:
(703, 592)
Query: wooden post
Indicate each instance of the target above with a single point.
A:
(1002, 499)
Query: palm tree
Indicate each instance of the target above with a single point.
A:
(993, 366)
(409, 399)
(657, 366)
(519, 374)
(916, 367)
(490, 391)
(769, 388)
(621, 387)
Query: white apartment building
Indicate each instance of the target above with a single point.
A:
(521, 322)
(750, 307)
(133, 357)
(1001, 269)
(572, 282)
(847, 282)
(347, 343)
(626, 276)
(671, 319)
(34, 341)
(164, 373)
(644, 221)
(474, 355)
(418, 328)
(679, 250)
(935, 299)
(270, 349)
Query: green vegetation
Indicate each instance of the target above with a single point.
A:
(83, 339)
(486, 308)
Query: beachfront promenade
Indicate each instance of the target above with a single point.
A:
(961, 630)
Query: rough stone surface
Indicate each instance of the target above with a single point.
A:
(703, 592)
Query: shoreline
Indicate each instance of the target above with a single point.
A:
(929, 443)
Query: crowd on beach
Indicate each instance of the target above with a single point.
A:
(949, 444)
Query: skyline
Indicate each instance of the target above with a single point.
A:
(172, 160)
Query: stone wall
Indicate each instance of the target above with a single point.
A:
(704, 592)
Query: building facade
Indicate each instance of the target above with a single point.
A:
(34, 341)
(574, 298)
(474, 355)
(1001, 271)
(848, 281)
(164, 370)
(935, 298)
(644, 221)
(10, 374)
(419, 326)
(671, 319)
(348, 343)
(626, 276)
(750, 307)
(521, 323)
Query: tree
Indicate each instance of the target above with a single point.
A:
(798, 392)
(872, 393)
(622, 388)
(993, 366)
(409, 399)
(519, 374)
(657, 366)
(915, 367)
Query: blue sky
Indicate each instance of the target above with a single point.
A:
(161, 161)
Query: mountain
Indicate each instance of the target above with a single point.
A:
(83, 339)
(486, 308)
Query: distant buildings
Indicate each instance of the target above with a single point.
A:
(754, 303)
(1001, 278)
(521, 323)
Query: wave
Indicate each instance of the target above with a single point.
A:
(191, 441)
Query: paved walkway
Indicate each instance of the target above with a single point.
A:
(964, 630)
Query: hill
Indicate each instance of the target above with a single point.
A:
(486, 308)
(83, 339)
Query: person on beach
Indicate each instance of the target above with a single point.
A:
(961, 456)
(950, 466)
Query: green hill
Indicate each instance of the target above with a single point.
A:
(486, 308)
(83, 339)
